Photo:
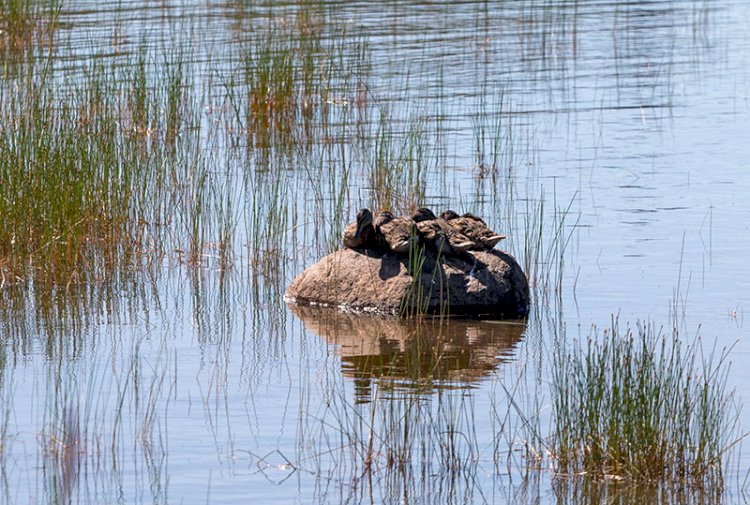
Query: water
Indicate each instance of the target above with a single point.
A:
(197, 384)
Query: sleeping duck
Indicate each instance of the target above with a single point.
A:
(398, 234)
(473, 227)
(438, 234)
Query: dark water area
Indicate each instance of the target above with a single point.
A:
(608, 140)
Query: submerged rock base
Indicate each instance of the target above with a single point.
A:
(477, 283)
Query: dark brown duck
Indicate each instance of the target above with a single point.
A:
(473, 227)
(361, 233)
(398, 234)
(438, 234)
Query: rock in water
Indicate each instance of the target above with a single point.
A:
(478, 283)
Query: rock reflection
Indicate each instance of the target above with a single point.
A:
(412, 357)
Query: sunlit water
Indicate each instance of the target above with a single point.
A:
(196, 386)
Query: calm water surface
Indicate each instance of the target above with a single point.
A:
(629, 120)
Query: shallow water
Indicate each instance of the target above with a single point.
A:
(187, 384)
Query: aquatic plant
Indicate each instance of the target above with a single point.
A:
(417, 299)
(401, 443)
(94, 172)
(641, 405)
(25, 22)
(398, 164)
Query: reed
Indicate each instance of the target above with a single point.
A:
(641, 405)
(24, 23)
(56, 189)
(398, 165)
(294, 76)
(94, 172)
(400, 444)
(270, 76)
(268, 224)
(417, 299)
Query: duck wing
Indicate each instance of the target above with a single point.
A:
(398, 233)
(349, 237)
(442, 237)
(359, 236)
(477, 231)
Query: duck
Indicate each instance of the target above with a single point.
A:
(399, 234)
(361, 233)
(473, 227)
(438, 234)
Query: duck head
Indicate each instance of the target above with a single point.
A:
(384, 216)
(423, 214)
(448, 215)
(364, 220)
(364, 217)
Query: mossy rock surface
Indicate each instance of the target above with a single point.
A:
(479, 283)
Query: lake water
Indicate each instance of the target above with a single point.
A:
(618, 129)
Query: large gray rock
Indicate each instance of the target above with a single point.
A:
(479, 283)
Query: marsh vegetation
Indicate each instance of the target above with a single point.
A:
(167, 168)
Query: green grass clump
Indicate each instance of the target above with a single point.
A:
(397, 169)
(642, 406)
(92, 173)
(60, 188)
(24, 22)
(289, 77)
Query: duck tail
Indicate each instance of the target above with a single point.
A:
(492, 240)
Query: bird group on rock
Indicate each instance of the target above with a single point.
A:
(449, 233)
